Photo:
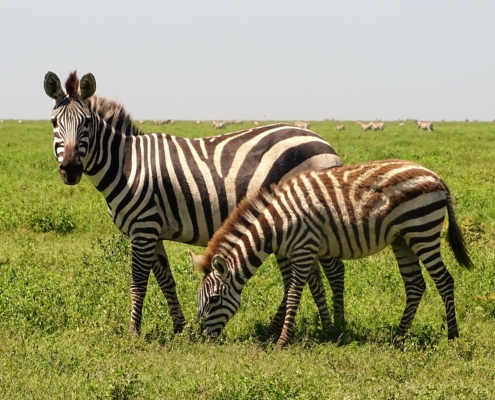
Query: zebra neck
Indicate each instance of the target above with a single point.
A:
(250, 251)
(104, 162)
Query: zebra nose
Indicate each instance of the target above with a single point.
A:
(71, 173)
(71, 167)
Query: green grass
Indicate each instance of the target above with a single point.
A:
(65, 303)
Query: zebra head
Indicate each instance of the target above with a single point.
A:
(72, 121)
(218, 299)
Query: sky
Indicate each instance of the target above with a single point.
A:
(256, 59)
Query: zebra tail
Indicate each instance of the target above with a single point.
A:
(454, 235)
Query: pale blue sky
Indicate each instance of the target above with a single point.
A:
(256, 59)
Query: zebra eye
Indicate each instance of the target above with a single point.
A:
(54, 122)
(214, 298)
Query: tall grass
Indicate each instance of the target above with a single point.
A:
(65, 303)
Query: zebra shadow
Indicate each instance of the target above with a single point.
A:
(310, 334)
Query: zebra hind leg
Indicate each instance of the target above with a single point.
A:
(334, 271)
(444, 282)
(165, 279)
(413, 282)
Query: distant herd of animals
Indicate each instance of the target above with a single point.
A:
(278, 189)
(372, 125)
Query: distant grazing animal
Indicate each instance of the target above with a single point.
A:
(377, 126)
(402, 124)
(341, 213)
(426, 126)
(340, 128)
(219, 125)
(20, 121)
(161, 187)
(256, 123)
(366, 127)
(198, 122)
(302, 124)
(141, 121)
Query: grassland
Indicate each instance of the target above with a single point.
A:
(65, 304)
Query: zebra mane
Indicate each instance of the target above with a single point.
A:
(114, 113)
(72, 84)
(246, 212)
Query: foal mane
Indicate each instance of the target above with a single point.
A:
(247, 210)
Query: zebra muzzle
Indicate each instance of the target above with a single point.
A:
(71, 167)
(71, 174)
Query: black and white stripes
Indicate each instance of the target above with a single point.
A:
(160, 187)
(341, 213)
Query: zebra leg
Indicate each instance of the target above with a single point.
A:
(317, 289)
(278, 320)
(334, 271)
(299, 277)
(429, 254)
(165, 279)
(413, 282)
(143, 253)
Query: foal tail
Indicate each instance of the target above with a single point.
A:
(454, 235)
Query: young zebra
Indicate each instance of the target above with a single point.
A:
(342, 213)
(160, 187)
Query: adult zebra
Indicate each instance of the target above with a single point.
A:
(341, 213)
(159, 187)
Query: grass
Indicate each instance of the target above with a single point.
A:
(65, 303)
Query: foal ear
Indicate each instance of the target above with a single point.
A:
(53, 87)
(87, 86)
(197, 259)
(220, 265)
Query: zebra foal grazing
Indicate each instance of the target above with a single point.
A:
(342, 213)
(160, 187)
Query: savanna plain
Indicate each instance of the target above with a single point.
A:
(65, 301)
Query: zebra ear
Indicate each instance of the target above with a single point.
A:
(197, 259)
(53, 87)
(220, 266)
(87, 86)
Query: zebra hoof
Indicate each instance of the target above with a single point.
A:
(179, 326)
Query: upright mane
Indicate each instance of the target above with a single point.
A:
(114, 113)
(247, 210)
(72, 84)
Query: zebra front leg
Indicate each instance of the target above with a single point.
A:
(143, 253)
(165, 279)
(299, 278)
(334, 271)
(317, 289)
(278, 320)
(414, 283)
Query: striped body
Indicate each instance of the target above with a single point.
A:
(161, 187)
(343, 213)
